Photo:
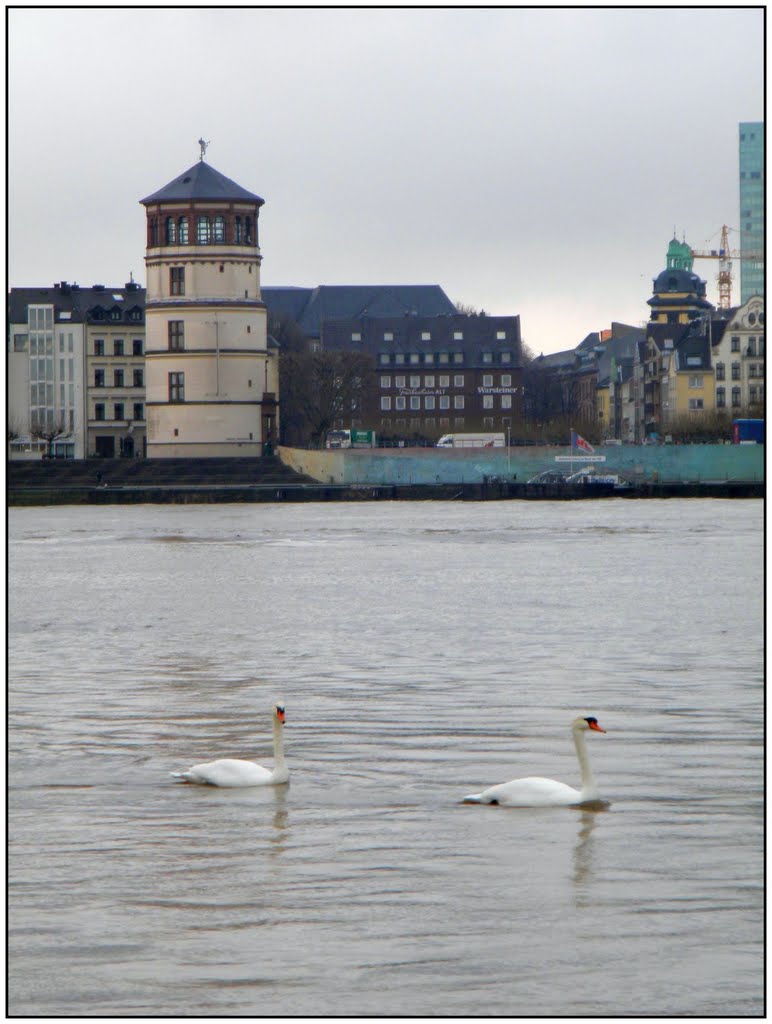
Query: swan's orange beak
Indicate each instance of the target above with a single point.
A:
(280, 715)
(595, 727)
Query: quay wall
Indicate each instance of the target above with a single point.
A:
(645, 464)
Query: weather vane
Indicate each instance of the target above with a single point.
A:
(203, 146)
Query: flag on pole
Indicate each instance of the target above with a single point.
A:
(577, 441)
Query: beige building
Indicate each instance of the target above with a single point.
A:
(211, 377)
(739, 361)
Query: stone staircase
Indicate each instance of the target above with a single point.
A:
(266, 470)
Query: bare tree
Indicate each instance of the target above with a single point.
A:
(49, 432)
(320, 390)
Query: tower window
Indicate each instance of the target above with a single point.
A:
(177, 280)
(171, 231)
(219, 229)
(177, 387)
(203, 236)
(237, 231)
(176, 335)
(247, 230)
(182, 230)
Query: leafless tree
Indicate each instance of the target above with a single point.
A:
(49, 432)
(319, 391)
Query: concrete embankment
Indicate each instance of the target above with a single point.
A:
(641, 464)
(381, 475)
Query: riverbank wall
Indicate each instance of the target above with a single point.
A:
(641, 464)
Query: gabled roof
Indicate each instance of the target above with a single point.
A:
(201, 181)
(310, 307)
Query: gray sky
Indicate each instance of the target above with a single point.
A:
(530, 162)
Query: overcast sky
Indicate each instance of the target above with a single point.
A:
(531, 162)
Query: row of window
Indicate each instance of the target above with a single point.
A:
(442, 358)
(752, 341)
(209, 230)
(115, 314)
(119, 379)
(426, 336)
(755, 394)
(119, 412)
(431, 402)
(119, 347)
(754, 370)
(441, 381)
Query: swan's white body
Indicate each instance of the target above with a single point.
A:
(538, 792)
(230, 772)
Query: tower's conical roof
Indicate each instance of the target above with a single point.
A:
(201, 181)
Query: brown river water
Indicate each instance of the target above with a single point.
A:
(424, 651)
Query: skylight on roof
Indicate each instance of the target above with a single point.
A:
(118, 298)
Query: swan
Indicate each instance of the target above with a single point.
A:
(230, 772)
(537, 792)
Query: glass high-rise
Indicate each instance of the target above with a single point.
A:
(752, 208)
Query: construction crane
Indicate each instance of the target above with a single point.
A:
(725, 255)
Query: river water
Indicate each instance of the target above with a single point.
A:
(424, 651)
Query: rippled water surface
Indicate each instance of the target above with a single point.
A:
(424, 651)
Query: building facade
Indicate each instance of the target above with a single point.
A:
(76, 370)
(436, 374)
(739, 361)
(115, 371)
(212, 378)
(751, 155)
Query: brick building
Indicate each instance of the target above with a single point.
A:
(432, 374)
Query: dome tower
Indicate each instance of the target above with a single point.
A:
(679, 295)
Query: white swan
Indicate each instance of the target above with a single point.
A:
(537, 792)
(231, 772)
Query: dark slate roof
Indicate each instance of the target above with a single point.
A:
(693, 353)
(201, 181)
(310, 307)
(555, 360)
(479, 335)
(76, 301)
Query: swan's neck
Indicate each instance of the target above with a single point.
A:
(588, 782)
(278, 743)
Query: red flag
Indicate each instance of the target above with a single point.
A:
(577, 441)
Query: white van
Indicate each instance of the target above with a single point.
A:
(471, 441)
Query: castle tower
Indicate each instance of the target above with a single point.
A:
(211, 380)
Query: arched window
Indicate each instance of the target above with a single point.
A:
(182, 230)
(204, 236)
(171, 231)
(219, 229)
(247, 230)
(237, 231)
